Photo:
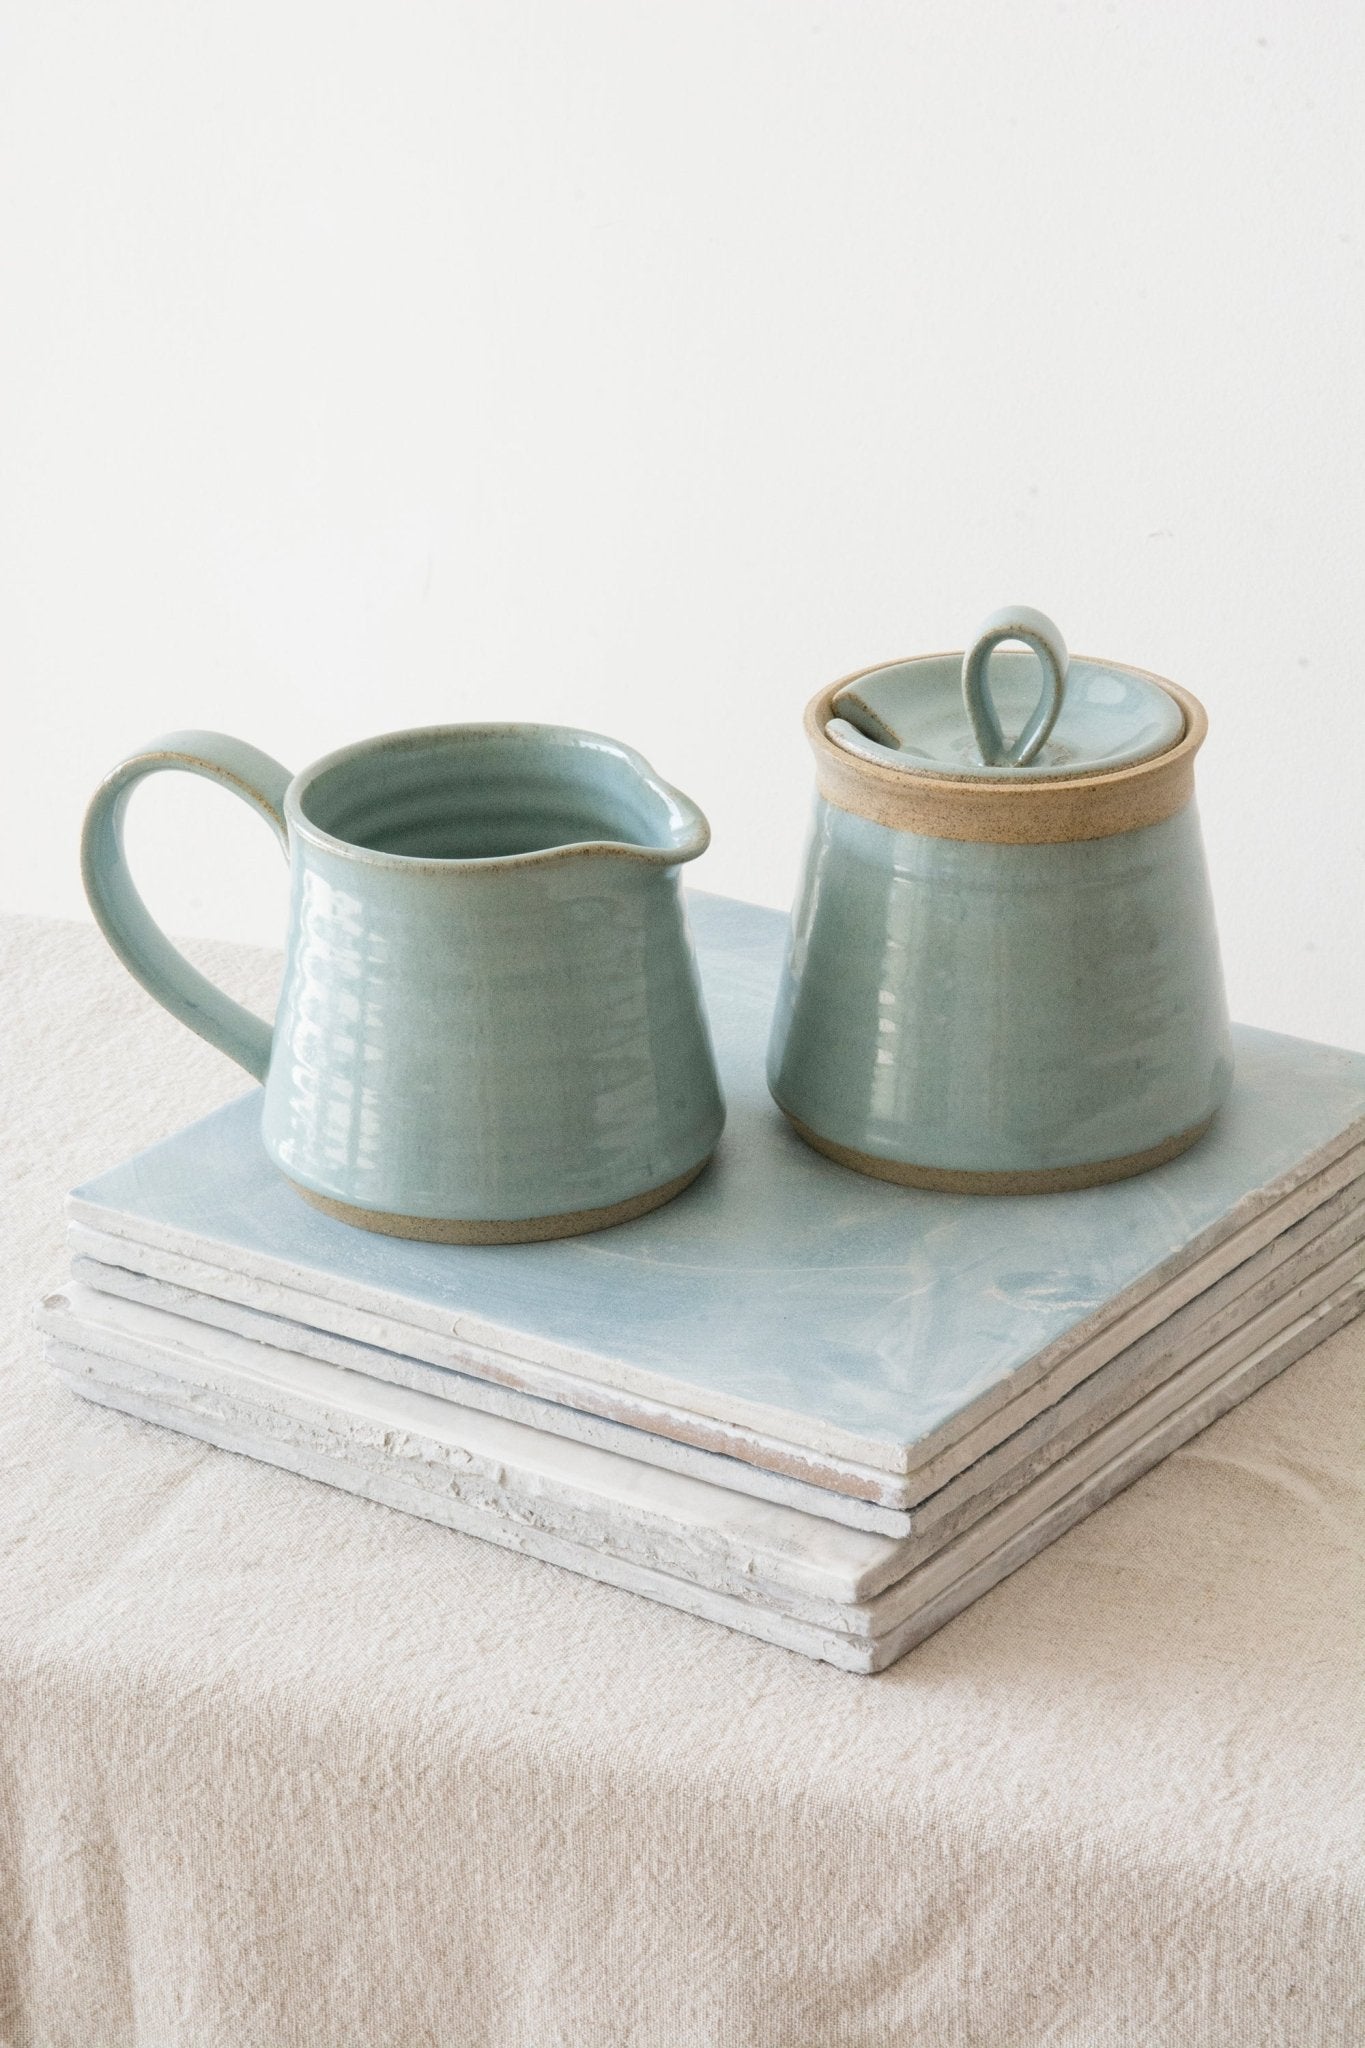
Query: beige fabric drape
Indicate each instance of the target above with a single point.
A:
(280, 1769)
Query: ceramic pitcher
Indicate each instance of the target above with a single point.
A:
(1003, 971)
(490, 1028)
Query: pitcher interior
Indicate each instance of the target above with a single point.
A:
(487, 793)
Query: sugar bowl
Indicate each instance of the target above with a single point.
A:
(1003, 971)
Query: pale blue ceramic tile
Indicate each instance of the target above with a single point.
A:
(779, 1278)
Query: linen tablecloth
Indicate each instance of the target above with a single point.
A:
(283, 1769)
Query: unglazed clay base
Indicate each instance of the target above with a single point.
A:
(523, 1230)
(1052, 1180)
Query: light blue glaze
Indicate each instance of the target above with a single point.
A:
(1036, 630)
(911, 715)
(982, 1008)
(845, 1310)
(490, 1008)
(123, 917)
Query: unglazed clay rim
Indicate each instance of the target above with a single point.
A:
(1047, 1180)
(488, 1231)
(1033, 812)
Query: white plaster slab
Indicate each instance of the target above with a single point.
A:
(1279, 1266)
(1167, 1436)
(942, 1329)
(944, 1596)
(594, 1496)
(1260, 1293)
(385, 1333)
(487, 1396)
(746, 1548)
(389, 1333)
(783, 1296)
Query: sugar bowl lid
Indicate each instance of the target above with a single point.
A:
(948, 714)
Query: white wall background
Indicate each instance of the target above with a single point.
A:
(644, 366)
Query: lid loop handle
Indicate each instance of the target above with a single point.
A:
(1035, 630)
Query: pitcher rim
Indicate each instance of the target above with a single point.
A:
(693, 832)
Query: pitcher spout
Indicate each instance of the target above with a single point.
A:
(493, 796)
(681, 831)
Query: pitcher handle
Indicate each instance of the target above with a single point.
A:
(122, 915)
